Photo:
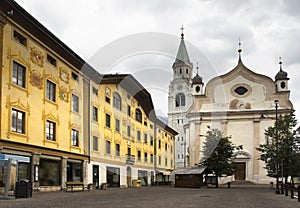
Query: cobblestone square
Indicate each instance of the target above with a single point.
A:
(236, 197)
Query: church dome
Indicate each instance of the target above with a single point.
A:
(197, 80)
(281, 75)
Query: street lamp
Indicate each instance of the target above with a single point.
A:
(277, 164)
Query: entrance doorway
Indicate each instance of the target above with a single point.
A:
(128, 177)
(96, 175)
(240, 171)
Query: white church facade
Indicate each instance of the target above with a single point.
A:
(240, 103)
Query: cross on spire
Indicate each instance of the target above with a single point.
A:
(240, 50)
(182, 28)
(197, 66)
(280, 63)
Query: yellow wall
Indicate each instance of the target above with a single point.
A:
(32, 100)
(104, 134)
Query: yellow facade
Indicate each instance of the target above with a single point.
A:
(54, 113)
(31, 99)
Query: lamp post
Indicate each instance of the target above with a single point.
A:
(277, 164)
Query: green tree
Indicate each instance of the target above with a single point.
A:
(288, 157)
(218, 154)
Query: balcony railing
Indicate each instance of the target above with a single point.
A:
(130, 159)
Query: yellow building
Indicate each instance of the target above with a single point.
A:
(54, 113)
(127, 141)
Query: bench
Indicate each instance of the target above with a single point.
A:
(74, 184)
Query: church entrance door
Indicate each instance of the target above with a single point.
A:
(240, 171)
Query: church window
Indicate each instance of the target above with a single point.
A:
(197, 89)
(138, 115)
(282, 85)
(117, 101)
(241, 90)
(186, 71)
(180, 71)
(180, 100)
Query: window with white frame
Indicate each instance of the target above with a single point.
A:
(50, 130)
(18, 74)
(50, 91)
(18, 121)
(75, 138)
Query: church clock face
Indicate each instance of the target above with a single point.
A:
(179, 87)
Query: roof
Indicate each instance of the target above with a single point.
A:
(191, 170)
(134, 88)
(197, 79)
(281, 75)
(182, 54)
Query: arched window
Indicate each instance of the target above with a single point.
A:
(180, 100)
(138, 115)
(117, 101)
(180, 71)
(197, 89)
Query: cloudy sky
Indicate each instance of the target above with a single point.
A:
(142, 37)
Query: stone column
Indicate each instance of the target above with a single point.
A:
(35, 163)
(64, 161)
(256, 155)
(85, 171)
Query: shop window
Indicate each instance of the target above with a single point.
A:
(74, 171)
(49, 172)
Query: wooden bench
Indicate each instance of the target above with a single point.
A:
(74, 184)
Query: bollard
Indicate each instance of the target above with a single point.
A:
(228, 185)
(292, 191)
(298, 193)
(286, 189)
(281, 188)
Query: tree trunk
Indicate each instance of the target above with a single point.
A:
(217, 181)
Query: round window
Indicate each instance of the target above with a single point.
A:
(241, 90)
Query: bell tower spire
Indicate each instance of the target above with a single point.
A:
(182, 67)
